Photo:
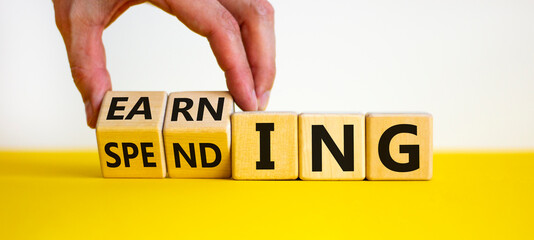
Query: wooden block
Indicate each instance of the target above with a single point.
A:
(331, 146)
(197, 134)
(128, 132)
(264, 145)
(399, 146)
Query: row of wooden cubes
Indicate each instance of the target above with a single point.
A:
(198, 135)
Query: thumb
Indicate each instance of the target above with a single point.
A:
(87, 60)
(88, 67)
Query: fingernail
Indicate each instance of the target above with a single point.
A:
(264, 100)
(89, 113)
(254, 97)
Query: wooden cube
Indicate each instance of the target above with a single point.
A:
(264, 145)
(332, 146)
(399, 146)
(128, 132)
(197, 134)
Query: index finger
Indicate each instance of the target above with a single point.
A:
(212, 20)
(256, 18)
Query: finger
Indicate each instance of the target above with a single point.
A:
(118, 8)
(210, 19)
(88, 67)
(81, 24)
(256, 18)
(85, 50)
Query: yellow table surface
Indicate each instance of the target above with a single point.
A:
(55, 195)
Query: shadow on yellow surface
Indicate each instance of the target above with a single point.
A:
(54, 195)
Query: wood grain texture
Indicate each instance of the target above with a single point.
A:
(199, 130)
(335, 126)
(411, 132)
(283, 146)
(128, 131)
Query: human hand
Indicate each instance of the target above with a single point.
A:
(240, 33)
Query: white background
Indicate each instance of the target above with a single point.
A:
(469, 63)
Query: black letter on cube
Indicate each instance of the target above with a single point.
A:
(113, 107)
(203, 158)
(146, 109)
(265, 130)
(146, 154)
(176, 109)
(112, 154)
(191, 159)
(412, 150)
(128, 156)
(205, 103)
(319, 134)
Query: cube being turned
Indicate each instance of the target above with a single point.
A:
(264, 146)
(128, 131)
(197, 134)
(399, 146)
(331, 146)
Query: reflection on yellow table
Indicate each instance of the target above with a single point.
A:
(61, 195)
